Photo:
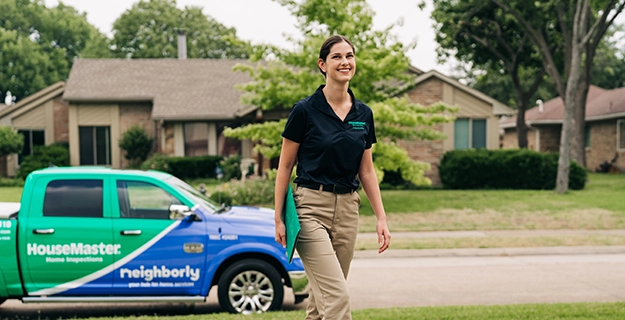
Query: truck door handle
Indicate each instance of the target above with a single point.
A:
(43, 231)
(130, 232)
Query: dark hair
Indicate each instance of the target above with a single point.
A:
(327, 45)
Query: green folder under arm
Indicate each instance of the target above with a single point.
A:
(291, 222)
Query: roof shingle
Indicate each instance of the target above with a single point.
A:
(191, 89)
(600, 104)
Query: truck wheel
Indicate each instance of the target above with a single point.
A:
(250, 286)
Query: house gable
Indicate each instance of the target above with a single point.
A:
(44, 111)
(433, 87)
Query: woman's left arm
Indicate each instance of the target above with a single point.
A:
(369, 181)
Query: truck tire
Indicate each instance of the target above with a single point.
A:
(250, 286)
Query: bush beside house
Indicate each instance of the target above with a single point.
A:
(505, 169)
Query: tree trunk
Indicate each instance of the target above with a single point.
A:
(521, 126)
(578, 143)
(572, 85)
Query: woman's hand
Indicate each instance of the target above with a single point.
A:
(384, 235)
(280, 233)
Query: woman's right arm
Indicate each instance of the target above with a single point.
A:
(288, 156)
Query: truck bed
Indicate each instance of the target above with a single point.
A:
(8, 208)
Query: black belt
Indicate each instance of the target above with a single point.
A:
(334, 188)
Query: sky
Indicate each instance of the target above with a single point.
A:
(265, 21)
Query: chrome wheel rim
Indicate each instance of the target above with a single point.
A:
(251, 292)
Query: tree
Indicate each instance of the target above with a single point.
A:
(582, 26)
(608, 69)
(382, 67)
(484, 35)
(10, 141)
(38, 44)
(608, 72)
(150, 30)
(137, 144)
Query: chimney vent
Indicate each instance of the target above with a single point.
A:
(182, 45)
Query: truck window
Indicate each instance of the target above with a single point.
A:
(73, 198)
(139, 199)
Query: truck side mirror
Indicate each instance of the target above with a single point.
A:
(181, 212)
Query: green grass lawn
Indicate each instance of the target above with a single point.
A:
(598, 206)
(562, 311)
(10, 194)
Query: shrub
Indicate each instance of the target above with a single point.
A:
(221, 197)
(183, 167)
(7, 182)
(10, 141)
(137, 145)
(158, 162)
(44, 156)
(504, 169)
(231, 166)
(194, 167)
(248, 192)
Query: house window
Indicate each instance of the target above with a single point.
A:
(32, 138)
(95, 145)
(620, 134)
(195, 139)
(469, 133)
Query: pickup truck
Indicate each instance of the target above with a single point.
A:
(89, 234)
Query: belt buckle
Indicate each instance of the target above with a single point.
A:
(339, 189)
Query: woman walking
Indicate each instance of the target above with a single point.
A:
(329, 135)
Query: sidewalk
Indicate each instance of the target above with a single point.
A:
(482, 252)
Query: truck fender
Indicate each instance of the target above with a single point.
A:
(240, 249)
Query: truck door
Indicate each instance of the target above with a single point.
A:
(160, 255)
(68, 245)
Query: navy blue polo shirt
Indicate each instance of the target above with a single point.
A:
(330, 150)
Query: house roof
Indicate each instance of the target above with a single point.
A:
(600, 104)
(190, 89)
(35, 99)
(499, 108)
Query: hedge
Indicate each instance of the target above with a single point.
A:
(505, 169)
(184, 167)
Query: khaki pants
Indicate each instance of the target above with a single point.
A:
(329, 225)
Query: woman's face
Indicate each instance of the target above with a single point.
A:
(340, 64)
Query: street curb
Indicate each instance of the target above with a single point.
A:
(489, 252)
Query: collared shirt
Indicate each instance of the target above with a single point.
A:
(330, 149)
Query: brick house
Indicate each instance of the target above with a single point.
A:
(476, 124)
(41, 118)
(605, 127)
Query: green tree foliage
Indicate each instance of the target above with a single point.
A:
(38, 44)
(10, 141)
(608, 69)
(381, 75)
(137, 145)
(150, 30)
(608, 72)
(485, 37)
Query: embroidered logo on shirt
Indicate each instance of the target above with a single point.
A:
(357, 125)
